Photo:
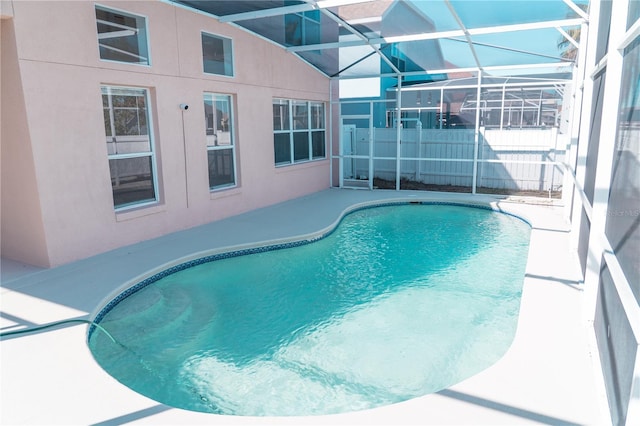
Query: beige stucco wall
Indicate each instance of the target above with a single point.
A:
(22, 229)
(61, 75)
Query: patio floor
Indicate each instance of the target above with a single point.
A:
(550, 375)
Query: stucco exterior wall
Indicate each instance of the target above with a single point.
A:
(61, 74)
(22, 229)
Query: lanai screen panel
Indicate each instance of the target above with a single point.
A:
(415, 36)
(463, 52)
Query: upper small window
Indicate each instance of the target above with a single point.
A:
(217, 55)
(122, 37)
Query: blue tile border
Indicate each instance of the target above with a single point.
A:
(254, 250)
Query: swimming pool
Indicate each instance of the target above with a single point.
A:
(399, 301)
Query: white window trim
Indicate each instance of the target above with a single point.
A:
(233, 55)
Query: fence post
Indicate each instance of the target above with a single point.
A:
(398, 130)
(476, 136)
(419, 149)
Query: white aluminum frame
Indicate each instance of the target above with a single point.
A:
(232, 146)
(232, 53)
(475, 161)
(152, 154)
(600, 252)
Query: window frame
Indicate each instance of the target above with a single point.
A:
(231, 147)
(145, 35)
(292, 128)
(151, 154)
(231, 53)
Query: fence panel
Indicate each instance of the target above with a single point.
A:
(508, 160)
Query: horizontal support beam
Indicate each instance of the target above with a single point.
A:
(512, 82)
(440, 34)
(557, 65)
(267, 13)
(284, 10)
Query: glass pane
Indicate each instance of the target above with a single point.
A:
(131, 181)
(604, 27)
(217, 55)
(301, 146)
(300, 115)
(107, 121)
(209, 119)
(318, 144)
(281, 115)
(128, 99)
(121, 37)
(221, 168)
(282, 148)
(129, 122)
(218, 119)
(593, 145)
(126, 121)
(317, 115)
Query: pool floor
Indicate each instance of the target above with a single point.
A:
(546, 377)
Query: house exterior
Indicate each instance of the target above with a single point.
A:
(126, 120)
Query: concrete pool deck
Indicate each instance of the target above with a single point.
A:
(550, 374)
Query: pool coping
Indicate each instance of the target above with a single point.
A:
(566, 391)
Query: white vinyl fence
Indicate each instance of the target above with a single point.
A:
(511, 160)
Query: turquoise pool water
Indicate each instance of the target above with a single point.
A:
(398, 302)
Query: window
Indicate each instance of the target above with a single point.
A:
(299, 131)
(218, 112)
(122, 37)
(217, 55)
(129, 146)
